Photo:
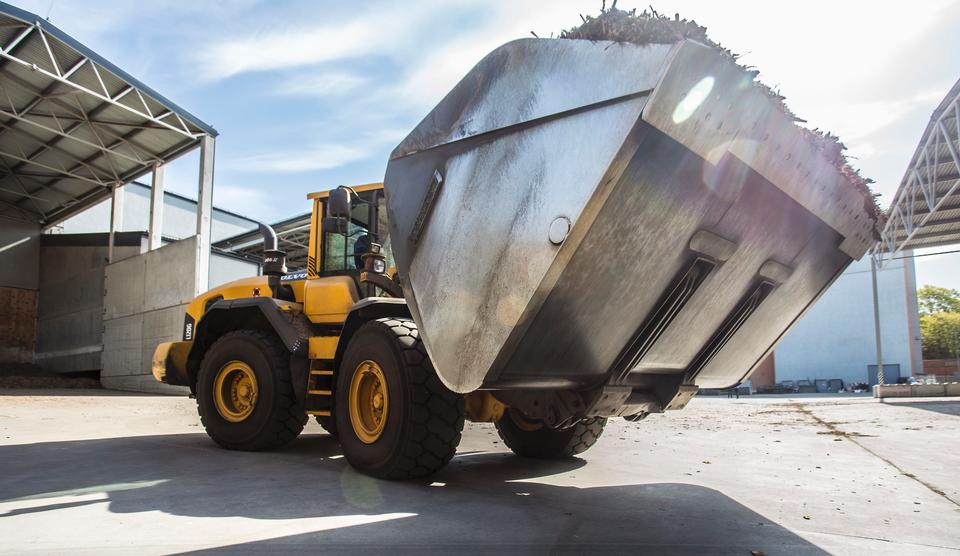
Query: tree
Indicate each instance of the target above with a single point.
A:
(934, 299)
(941, 335)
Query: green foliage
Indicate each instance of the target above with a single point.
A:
(939, 321)
(941, 334)
(934, 299)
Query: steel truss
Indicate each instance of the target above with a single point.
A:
(926, 209)
(72, 127)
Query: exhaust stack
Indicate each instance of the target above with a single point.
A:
(274, 260)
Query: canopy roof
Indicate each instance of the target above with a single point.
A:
(293, 238)
(926, 208)
(73, 125)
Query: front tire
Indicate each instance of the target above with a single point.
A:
(535, 440)
(245, 395)
(328, 424)
(394, 418)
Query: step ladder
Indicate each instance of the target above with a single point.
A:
(320, 385)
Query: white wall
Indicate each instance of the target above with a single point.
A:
(179, 217)
(225, 269)
(835, 339)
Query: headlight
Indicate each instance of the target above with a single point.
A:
(379, 266)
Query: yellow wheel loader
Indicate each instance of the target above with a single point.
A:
(579, 230)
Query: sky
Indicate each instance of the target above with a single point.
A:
(310, 94)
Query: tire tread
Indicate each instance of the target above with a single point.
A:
(434, 423)
(550, 444)
(288, 419)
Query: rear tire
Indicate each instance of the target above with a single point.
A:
(535, 440)
(275, 418)
(412, 423)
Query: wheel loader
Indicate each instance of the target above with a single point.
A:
(580, 230)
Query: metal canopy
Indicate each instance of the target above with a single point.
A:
(926, 209)
(293, 235)
(73, 125)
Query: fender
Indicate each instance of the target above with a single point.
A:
(366, 310)
(285, 318)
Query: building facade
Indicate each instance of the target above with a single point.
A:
(179, 217)
(835, 339)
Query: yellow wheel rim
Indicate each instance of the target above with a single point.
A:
(369, 402)
(235, 391)
(522, 422)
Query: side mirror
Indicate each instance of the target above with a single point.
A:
(338, 203)
(334, 225)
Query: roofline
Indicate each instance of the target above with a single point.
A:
(31, 18)
(183, 197)
(242, 237)
(934, 117)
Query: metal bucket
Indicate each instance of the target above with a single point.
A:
(575, 213)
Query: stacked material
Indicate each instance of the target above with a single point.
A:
(651, 27)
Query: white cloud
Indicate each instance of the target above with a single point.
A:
(375, 31)
(239, 198)
(858, 121)
(321, 85)
(437, 68)
(322, 156)
(436, 74)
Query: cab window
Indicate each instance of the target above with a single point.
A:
(368, 224)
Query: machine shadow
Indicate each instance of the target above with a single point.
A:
(482, 501)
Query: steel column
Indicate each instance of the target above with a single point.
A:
(204, 211)
(116, 218)
(156, 207)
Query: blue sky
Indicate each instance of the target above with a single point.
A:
(311, 94)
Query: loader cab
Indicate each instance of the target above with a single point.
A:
(336, 252)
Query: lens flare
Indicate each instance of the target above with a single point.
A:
(692, 100)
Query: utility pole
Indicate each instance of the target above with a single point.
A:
(876, 319)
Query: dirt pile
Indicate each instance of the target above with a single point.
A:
(652, 27)
(23, 375)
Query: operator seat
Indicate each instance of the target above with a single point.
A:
(361, 246)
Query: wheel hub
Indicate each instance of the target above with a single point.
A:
(522, 422)
(368, 401)
(235, 391)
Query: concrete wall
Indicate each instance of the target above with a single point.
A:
(179, 216)
(71, 317)
(835, 339)
(70, 314)
(19, 255)
(144, 305)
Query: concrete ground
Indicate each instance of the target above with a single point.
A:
(101, 472)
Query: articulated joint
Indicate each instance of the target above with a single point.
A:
(482, 407)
